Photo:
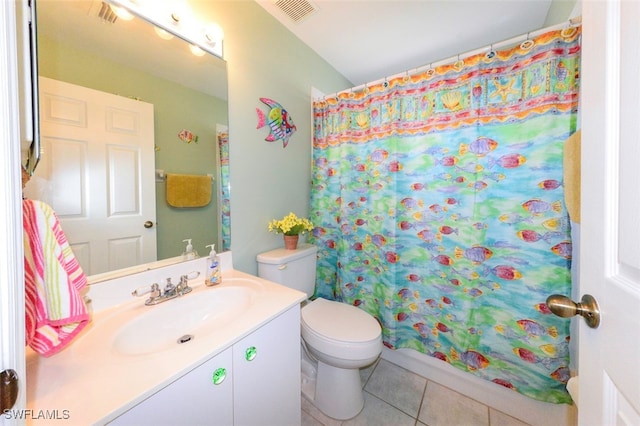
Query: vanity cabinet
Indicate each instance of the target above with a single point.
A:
(254, 382)
(193, 399)
(267, 382)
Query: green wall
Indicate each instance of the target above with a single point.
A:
(264, 59)
(561, 10)
(175, 108)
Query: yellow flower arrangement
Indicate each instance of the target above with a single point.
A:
(290, 225)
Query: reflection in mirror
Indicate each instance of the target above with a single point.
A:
(81, 47)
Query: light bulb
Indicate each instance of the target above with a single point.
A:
(213, 33)
(121, 12)
(196, 50)
(165, 35)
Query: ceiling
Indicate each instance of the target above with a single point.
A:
(367, 40)
(364, 40)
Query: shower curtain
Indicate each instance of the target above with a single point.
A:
(438, 207)
(225, 188)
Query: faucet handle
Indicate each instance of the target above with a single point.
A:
(169, 287)
(154, 290)
(184, 284)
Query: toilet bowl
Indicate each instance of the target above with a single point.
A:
(342, 339)
(338, 339)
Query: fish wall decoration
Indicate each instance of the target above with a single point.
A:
(187, 136)
(279, 121)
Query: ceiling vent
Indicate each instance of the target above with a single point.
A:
(106, 14)
(297, 10)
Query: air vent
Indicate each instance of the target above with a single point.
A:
(297, 10)
(106, 14)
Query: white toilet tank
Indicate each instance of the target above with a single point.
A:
(292, 268)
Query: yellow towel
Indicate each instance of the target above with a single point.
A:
(571, 166)
(188, 190)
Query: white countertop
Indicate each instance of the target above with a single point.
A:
(90, 384)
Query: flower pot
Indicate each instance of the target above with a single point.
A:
(291, 242)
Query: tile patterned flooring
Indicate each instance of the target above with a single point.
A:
(398, 397)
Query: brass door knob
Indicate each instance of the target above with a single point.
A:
(148, 224)
(564, 307)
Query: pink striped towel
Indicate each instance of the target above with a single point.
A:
(55, 309)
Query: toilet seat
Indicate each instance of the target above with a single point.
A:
(340, 330)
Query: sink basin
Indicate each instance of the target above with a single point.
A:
(140, 330)
(184, 318)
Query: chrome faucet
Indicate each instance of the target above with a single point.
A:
(169, 288)
(170, 291)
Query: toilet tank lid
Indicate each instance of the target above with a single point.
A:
(282, 255)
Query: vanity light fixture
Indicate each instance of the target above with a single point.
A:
(179, 20)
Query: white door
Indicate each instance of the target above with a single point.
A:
(609, 356)
(97, 172)
(12, 260)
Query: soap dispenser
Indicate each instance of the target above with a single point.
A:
(189, 252)
(214, 275)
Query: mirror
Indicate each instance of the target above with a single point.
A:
(81, 43)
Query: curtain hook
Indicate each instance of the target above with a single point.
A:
(490, 54)
(430, 70)
(570, 30)
(527, 44)
(459, 64)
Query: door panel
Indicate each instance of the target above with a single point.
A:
(97, 172)
(610, 230)
(68, 188)
(123, 171)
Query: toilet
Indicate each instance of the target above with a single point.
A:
(337, 339)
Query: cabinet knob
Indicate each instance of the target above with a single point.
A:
(219, 375)
(250, 353)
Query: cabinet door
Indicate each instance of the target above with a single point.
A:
(203, 396)
(266, 373)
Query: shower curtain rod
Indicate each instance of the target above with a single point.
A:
(520, 38)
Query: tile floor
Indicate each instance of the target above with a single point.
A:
(395, 396)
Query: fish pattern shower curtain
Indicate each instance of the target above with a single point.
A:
(438, 205)
(225, 188)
